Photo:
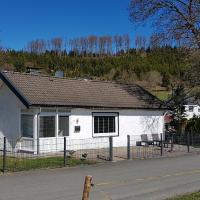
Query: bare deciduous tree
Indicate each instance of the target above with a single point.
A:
(57, 44)
(108, 45)
(92, 43)
(174, 19)
(140, 42)
(74, 45)
(118, 40)
(127, 42)
(37, 46)
(102, 45)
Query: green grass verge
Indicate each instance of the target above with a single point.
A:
(193, 196)
(162, 95)
(23, 164)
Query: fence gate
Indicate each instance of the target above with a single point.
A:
(117, 153)
(145, 149)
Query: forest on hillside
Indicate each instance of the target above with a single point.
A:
(149, 63)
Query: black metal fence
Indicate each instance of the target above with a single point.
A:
(18, 155)
(171, 146)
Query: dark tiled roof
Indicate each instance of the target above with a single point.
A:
(51, 91)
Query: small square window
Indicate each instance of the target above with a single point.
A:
(191, 108)
(77, 129)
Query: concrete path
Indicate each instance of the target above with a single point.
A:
(128, 180)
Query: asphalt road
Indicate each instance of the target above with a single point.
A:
(128, 180)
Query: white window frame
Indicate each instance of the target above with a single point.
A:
(47, 115)
(106, 114)
(56, 115)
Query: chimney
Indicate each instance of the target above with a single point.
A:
(59, 74)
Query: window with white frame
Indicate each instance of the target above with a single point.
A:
(47, 126)
(26, 125)
(105, 124)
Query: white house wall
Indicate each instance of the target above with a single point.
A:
(131, 122)
(10, 109)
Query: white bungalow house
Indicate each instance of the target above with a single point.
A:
(38, 111)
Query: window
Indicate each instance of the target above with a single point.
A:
(47, 126)
(104, 124)
(64, 110)
(191, 108)
(63, 124)
(26, 125)
(77, 129)
(47, 110)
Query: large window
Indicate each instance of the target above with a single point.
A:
(47, 126)
(63, 126)
(104, 124)
(26, 125)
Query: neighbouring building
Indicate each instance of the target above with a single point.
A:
(191, 110)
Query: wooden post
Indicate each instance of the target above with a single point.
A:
(87, 187)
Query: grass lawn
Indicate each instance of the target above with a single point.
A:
(193, 196)
(22, 164)
(162, 95)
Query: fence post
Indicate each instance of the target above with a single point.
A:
(172, 142)
(38, 142)
(128, 147)
(188, 142)
(111, 148)
(4, 154)
(192, 138)
(161, 144)
(64, 151)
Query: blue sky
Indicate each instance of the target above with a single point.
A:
(26, 20)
